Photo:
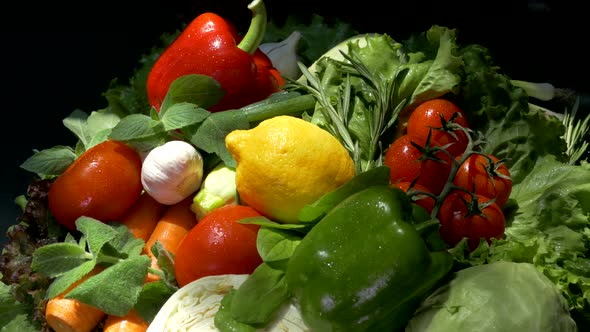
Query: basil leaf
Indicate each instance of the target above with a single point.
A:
(200, 90)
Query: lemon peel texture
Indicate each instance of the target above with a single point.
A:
(285, 163)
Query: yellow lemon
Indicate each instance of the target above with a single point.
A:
(285, 163)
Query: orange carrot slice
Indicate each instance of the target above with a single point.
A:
(69, 315)
(131, 322)
(141, 219)
(176, 222)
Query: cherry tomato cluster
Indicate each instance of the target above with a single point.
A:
(438, 164)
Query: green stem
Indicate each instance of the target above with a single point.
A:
(257, 28)
(426, 226)
(102, 258)
(157, 272)
(281, 103)
(449, 186)
(21, 202)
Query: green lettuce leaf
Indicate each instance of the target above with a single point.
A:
(14, 315)
(422, 75)
(553, 225)
(549, 226)
(500, 111)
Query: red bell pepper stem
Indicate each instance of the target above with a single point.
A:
(257, 28)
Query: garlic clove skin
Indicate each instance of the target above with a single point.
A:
(172, 171)
(283, 55)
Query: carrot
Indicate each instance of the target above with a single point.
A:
(176, 222)
(142, 217)
(69, 315)
(131, 322)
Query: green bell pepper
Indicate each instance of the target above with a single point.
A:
(364, 267)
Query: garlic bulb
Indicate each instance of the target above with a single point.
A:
(172, 171)
(283, 55)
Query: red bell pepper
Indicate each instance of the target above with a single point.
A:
(209, 46)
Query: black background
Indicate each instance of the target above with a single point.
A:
(58, 57)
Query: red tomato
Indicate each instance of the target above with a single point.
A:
(485, 177)
(406, 163)
(102, 183)
(426, 202)
(428, 115)
(458, 219)
(217, 245)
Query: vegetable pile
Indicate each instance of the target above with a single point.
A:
(437, 183)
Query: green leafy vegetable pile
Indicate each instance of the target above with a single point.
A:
(548, 213)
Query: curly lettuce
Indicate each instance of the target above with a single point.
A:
(551, 228)
(548, 214)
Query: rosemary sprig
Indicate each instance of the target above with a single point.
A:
(338, 115)
(381, 115)
(576, 134)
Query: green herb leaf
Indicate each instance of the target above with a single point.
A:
(106, 290)
(210, 136)
(275, 244)
(224, 320)
(98, 127)
(124, 244)
(264, 221)
(576, 134)
(165, 261)
(315, 211)
(200, 90)
(63, 282)
(152, 298)
(76, 123)
(100, 137)
(137, 127)
(52, 161)
(56, 259)
(91, 129)
(183, 115)
(96, 232)
(260, 296)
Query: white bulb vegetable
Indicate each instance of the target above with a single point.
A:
(283, 55)
(192, 308)
(172, 171)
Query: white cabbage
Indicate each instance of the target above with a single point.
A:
(193, 307)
